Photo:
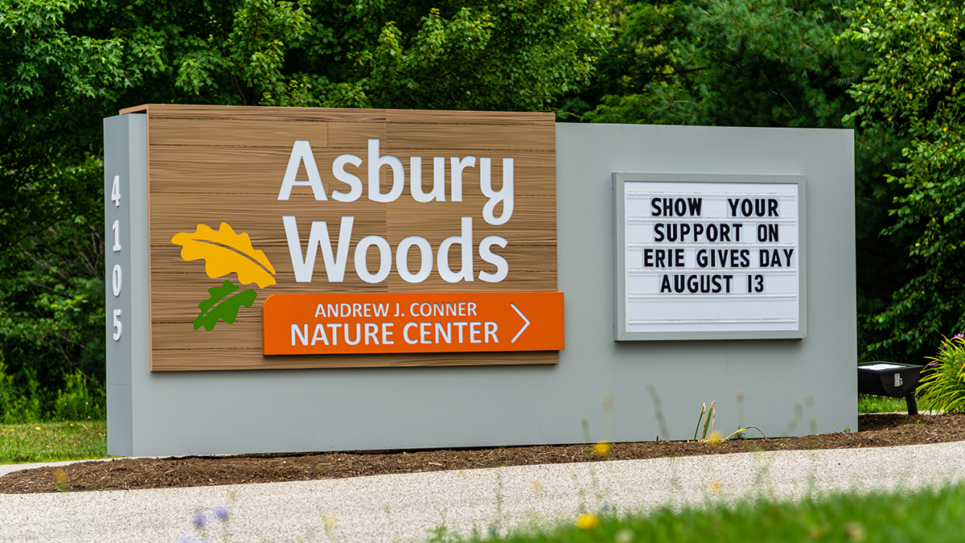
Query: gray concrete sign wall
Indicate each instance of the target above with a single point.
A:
(787, 386)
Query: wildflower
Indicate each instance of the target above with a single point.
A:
(587, 522)
(958, 336)
(602, 448)
(220, 513)
(200, 520)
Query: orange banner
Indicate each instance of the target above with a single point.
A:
(412, 323)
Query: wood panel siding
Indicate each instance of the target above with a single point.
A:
(214, 164)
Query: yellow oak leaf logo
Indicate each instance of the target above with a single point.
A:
(225, 252)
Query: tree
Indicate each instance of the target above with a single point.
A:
(637, 66)
(739, 63)
(51, 292)
(763, 63)
(913, 88)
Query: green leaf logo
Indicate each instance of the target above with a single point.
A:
(222, 306)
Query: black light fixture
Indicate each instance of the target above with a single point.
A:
(893, 379)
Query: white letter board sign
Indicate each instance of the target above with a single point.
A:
(709, 257)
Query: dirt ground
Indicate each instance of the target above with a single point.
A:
(136, 473)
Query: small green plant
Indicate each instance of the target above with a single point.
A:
(17, 406)
(716, 436)
(77, 403)
(943, 387)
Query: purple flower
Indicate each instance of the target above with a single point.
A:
(935, 363)
(200, 520)
(958, 336)
(220, 513)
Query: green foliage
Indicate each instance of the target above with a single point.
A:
(868, 403)
(56, 78)
(943, 386)
(502, 60)
(18, 406)
(52, 441)
(639, 65)
(913, 89)
(761, 63)
(514, 55)
(923, 515)
(77, 403)
(221, 307)
(739, 63)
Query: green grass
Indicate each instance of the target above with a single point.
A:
(928, 515)
(880, 404)
(52, 441)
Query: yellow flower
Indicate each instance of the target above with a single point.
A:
(715, 437)
(602, 448)
(587, 522)
(36, 427)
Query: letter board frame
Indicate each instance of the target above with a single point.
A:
(621, 331)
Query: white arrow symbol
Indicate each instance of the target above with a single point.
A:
(520, 313)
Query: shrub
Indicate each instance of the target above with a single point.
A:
(77, 403)
(18, 406)
(943, 386)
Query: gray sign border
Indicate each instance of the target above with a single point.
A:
(784, 387)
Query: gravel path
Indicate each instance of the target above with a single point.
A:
(404, 507)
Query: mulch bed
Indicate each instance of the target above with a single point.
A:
(136, 473)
